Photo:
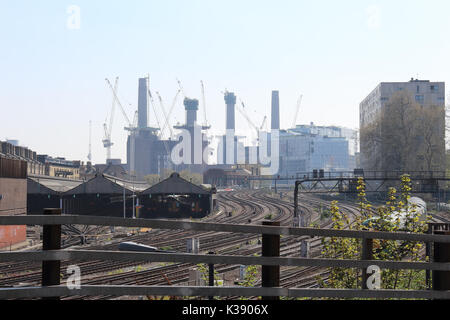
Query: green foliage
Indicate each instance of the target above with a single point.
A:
(340, 248)
(204, 271)
(250, 277)
(152, 179)
(398, 214)
(269, 217)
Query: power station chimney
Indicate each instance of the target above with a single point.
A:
(230, 100)
(275, 110)
(191, 107)
(142, 103)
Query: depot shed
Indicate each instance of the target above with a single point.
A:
(102, 196)
(176, 197)
(46, 192)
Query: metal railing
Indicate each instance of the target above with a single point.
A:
(52, 255)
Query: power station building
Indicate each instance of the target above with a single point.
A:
(301, 149)
(148, 154)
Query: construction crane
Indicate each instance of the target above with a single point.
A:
(299, 102)
(170, 113)
(165, 115)
(152, 102)
(244, 114)
(131, 126)
(250, 122)
(181, 88)
(204, 103)
(263, 123)
(116, 99)
(90, 141)
(107, 143)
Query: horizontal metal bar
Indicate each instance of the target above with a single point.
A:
(376, 294)
(215, 259)
(55, 291)
(59, 291)
(218, 227)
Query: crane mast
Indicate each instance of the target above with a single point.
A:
(90, 141)
(107, 143)
(297, 109)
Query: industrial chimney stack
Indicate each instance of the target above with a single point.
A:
(275, 110)
(142, 103)
(230, 100)
(191, 107)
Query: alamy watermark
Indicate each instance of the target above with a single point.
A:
(74, 279)
(374, 280)
(74, 17)
(190, 150)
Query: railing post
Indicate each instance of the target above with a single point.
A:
(270, 248)
(428, 254)
(441, 253)
(366, 254)
(51, 240)
(211, 275)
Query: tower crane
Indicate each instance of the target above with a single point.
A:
(131, 126)
(250, 122)
(90, 141)
(165, 115)
(170, 113)
(263, 123)
(204, 103)
(181, 88)
(299, 102)
(107, 143)
(244, 114)
(152, 102)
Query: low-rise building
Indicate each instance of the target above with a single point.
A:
(60, 167)
(13, 199)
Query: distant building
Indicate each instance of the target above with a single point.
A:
(306, 148)
(60, 167)
(11, 150)
(13, 199)
(423, 92)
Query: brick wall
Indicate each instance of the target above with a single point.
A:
(13, 201)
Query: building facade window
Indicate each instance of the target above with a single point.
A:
(420, 98)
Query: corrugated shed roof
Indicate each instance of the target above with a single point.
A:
(99, 185)
(137, 186)
(50, 185)
(175, 185)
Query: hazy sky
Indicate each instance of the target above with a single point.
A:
(53, 65)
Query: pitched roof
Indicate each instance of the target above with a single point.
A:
(50, 185)
(175, 185)
(101, 185)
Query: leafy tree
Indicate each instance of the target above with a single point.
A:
(152, 179)
(397, 214)
(404, 136)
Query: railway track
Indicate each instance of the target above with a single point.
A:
(247, 207)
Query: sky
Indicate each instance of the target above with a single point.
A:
(56, 54)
